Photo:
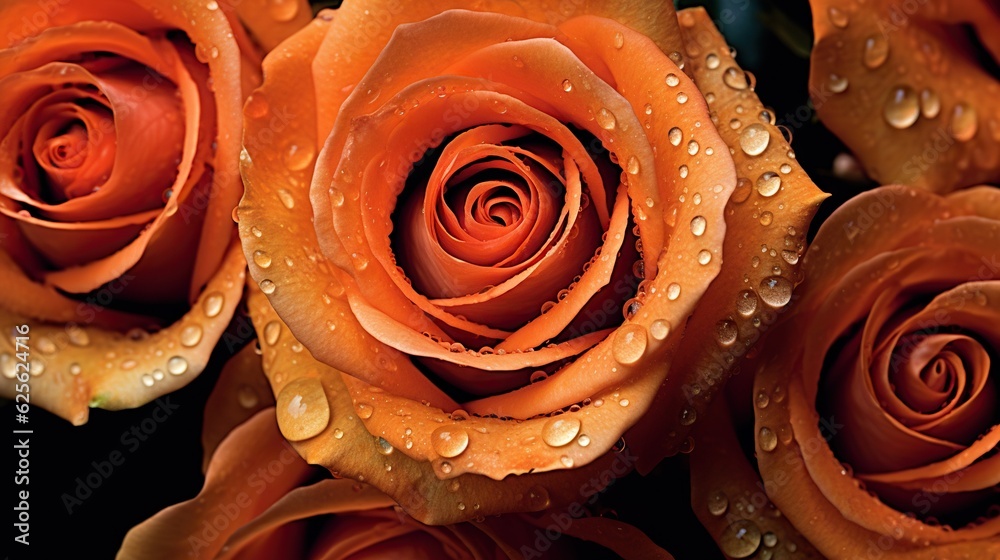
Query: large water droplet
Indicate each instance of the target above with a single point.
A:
(746, 303)
(629, 343)
(212, 305)
(838, 17)
(674, 136)
(902, 107)
(930, 103)
(754, 139)
(558, 432)
(876, 51)
(735, 78)
(726, 332)
(272, 331)
(659, 329)
(768, 184)
(740, 539)
(698, 225)
(177, 365)
(776, 291)
(267, 286)
(718, 503)
(261, 259)
(191, 335)
(606, 119)
(963, 122)
(449, 441)
(767, 440)
(302, 409)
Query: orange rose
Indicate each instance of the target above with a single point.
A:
(260, 501)
(908, 86)
(444, 244)
(120, 140)
(875, 418)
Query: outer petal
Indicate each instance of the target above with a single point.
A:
(773, 204)
(903, 88)
(316, 412)
(75, 365)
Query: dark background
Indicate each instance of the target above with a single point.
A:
(772, 40)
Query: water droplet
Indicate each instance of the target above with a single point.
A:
(712, 61)
(267, 286)
(566, 461)
(963, 122)
(775, 291)
(692, 148)
(675, 135)
(770, 539)
(633, 165)
(876, 51)
(177, 365)
(766, 218)
(902, 107)
(606, 119)
(629, 343)
(567, 86)
(272, 331)
(247, 396)
(754, 139)
(365, 411)
(785, 168)
(682, 98)
(930, 103)
(726, 332)
(660, 329)
(75, 369)
(767, 440)
(449, 441)
(673, 291)
(256, 231)
(212, 305)
(735, 78)
(302, 409)
(583, 440)
(256, 106)
(762, 399)
(740, 539)
(768, 184)
(718, 503)
(683, 170)
(261, 259)
(838, 17)
(688, 416)
(790, 256)
(698, 225)
(383, 446)
(147, 380)
(558, 432)
(286, 199)
(338, 433)
(704, 257)
(191, 335)
(837, 83)
(78, 336)
(672, 80)
(619, 40)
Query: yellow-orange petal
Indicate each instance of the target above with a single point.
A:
(904, 89)
(76, 365)
(320, 414)
(773, 199)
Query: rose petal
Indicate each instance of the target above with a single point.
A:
(336, 438)
(240, 392)
(905, 91)
(747, 295)
(75, 365)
